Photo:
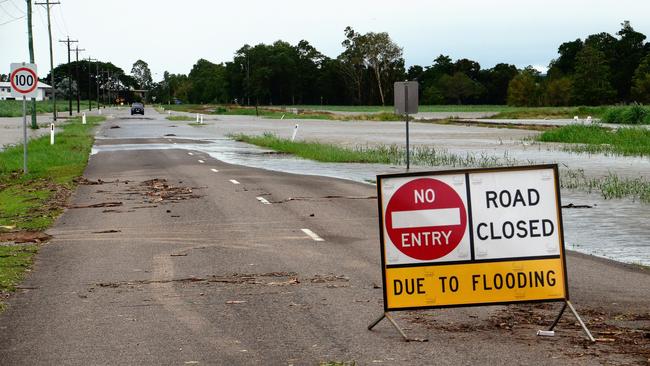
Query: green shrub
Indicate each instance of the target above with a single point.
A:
(634, 114)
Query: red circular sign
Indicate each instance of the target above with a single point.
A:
(426, 219)
(12, 80)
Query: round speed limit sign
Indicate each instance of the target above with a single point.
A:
(24, 80)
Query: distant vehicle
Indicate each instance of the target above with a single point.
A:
(137, 108)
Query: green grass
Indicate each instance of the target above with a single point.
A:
(25, 201)
(14, 260)
(180, 118)
(627, 141)
(634, 114)
(34, 201)
(553, 112)
(422, 108)
(610, 186)
(14, 108)
(382, 154)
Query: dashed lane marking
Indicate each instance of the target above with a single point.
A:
(312, 235)
(189, 153)
(215, 170)
(234, 181)
(263, 200)
(201, 161)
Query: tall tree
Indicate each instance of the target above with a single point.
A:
(142, 75)
(591, 84)
(630, 49)
(641, 81)
(524, 89)
(383, 56)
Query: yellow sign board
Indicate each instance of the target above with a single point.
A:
(471, 237)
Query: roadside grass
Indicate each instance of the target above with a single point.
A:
(633, 114)
(552, 112)
(382, 154)
(14, 108)
(194, 124)
(422, 108)
(14, 260)
(627, 141)
(180, 118)
(34, 201)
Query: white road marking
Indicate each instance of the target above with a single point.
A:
(234, 181)
(263, 200)
(189, 153)
(201, 161)
(312, 235)
(215, 170)
(426, 218)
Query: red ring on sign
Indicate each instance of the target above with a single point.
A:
(11, 80)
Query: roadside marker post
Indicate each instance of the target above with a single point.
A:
(83, 118)
(295, 132)
(51, 133)
(472, 237)
(197, 118)
(406, 102)
(24, 82)
(201, 122)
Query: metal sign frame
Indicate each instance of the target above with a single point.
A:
(471, 226)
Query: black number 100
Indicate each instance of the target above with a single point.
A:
(24, 80)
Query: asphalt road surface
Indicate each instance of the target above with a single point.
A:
(193, 261)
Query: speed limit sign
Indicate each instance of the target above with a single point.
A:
(24, 80)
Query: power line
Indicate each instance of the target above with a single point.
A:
(17, 8)
(12, 20)
(65, 24)
(8, 14)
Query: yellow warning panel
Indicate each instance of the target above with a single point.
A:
(475, 283)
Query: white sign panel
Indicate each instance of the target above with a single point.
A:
(23, 80)
(515, 214)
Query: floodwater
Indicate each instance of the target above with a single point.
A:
(616, 229)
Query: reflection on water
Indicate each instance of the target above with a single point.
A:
(615, 229)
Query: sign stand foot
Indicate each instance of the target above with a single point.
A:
(394, 323)
(575, 313)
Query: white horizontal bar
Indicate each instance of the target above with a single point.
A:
(201, 161)
(312, 235)
(263, 200)
(426, 218)
(215, 170)
(234, 181)
(189, 153)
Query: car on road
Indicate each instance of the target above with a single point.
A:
(137, 108)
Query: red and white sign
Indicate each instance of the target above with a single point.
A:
(24, 80)
(425, 219)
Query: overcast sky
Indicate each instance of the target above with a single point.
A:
(172, 35)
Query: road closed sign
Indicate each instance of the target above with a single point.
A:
(471, 237)
(23, 80)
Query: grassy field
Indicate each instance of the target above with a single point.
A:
(34, 201)
(627, 141)
(180, 118)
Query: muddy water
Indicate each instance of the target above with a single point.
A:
(615, 229)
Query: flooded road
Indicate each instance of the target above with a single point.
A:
(615, 229)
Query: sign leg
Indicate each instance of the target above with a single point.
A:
(25, 171)
(568, 304)
(394, 323)
(373, 324)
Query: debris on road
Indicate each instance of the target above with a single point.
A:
(159, 190)
(107, 231)
(24, 237)
(231, 302)
(97, 205)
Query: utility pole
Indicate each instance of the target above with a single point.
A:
(31, 55)
(68, 41)
(76, 66)
(47, 4)
(90, 103)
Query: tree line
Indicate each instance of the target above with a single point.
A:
(602, 69)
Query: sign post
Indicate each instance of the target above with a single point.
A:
(24, 82)
(406, 102)
(472, 237)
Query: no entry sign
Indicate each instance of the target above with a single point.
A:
(426, 219)
(471, 237)
(24, 80)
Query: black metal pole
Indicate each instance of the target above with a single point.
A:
(406, 113)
